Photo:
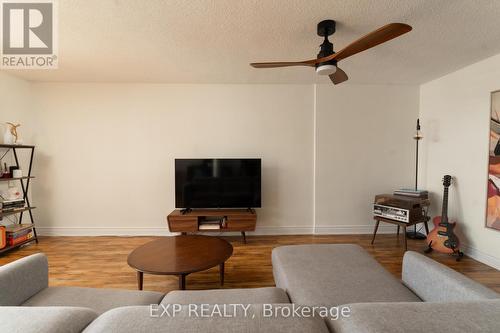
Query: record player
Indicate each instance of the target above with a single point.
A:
(400, 208)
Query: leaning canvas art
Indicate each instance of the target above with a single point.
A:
(493, 210)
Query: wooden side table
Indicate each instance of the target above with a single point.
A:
(416, 207)
(379, 219)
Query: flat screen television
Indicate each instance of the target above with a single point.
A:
(218, 183)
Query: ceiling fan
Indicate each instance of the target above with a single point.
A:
(327, 59)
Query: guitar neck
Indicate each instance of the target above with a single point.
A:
(444, 213)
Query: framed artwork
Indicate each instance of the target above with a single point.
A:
(493, 205)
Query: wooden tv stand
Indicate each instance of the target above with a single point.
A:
(236, 220)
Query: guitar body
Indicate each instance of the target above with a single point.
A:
(442, 238)
(439, 237)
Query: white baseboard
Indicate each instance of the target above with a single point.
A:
(481, 256)
(284, 230)
(101, 231)
(261, 230)
(117, 231)
(354, 229)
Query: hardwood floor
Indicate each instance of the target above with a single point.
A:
(102, 261)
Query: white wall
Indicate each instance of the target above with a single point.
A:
(106, 151)
(364, 147)
(455, 111)
(15, 105)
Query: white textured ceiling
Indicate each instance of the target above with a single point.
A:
(212, 41)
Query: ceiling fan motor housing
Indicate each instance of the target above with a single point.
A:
(326, 28)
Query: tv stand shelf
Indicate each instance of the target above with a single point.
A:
(236, 220)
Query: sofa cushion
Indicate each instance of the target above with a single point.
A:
(434, 282)
(22, 319)
(23, 278)
(335, 274)
(139, 319)
(100, 300)
(422, 317)
(223, 296)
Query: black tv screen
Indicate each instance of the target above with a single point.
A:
(218, 183)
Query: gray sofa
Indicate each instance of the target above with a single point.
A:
(25, 282)
(430, 298)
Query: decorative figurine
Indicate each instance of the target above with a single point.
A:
(11, 137)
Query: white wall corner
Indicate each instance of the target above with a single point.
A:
(314, 158)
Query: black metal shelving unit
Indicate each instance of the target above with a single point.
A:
(25, 184)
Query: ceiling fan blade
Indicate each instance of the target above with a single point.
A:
(283, 64)
(374, 38)
(339, 76)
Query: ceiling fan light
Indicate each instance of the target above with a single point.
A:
(326, 69)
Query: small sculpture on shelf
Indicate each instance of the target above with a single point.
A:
(11, 136)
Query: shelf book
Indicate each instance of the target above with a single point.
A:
(18, 233)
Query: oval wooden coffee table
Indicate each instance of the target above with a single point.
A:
(180, 255)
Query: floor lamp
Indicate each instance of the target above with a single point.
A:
(418, 136)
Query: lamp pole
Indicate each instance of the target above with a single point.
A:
(418, 136)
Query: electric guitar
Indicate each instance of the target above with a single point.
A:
(442, 238)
